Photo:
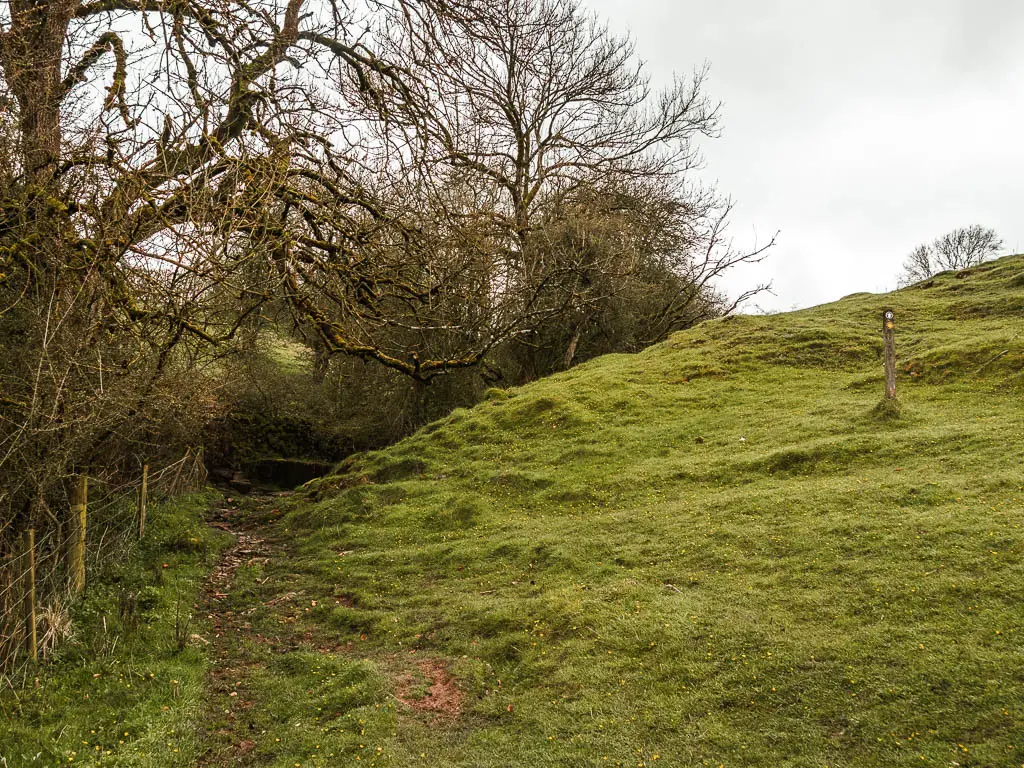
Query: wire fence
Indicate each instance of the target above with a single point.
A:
(36, 573)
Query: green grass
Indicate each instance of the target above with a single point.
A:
(291, 357)
(720, 551)
(122, 692)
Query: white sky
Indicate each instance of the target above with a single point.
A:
(857, 128)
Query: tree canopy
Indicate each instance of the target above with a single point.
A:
(412, 183)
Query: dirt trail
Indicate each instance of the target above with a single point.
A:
(253, 616)
(226, 726)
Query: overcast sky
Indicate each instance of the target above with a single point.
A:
(857, 129)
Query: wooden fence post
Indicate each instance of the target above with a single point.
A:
(31, 640)
(201, 473)
(143, 491)
(76, 534)
(889, 338)
(173, 489)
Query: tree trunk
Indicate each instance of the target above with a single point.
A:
(31, 53)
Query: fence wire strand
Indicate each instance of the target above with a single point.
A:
(112, 526)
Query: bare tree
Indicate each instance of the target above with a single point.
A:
(545, 115)
(918, 265)
(966, 247)
(397, 174)
(960, 249)
(168, 168)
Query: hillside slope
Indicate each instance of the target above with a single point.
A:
(716, 552)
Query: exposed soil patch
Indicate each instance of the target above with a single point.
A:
(443, 696)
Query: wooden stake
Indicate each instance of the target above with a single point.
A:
(174, 483)
(76, 534)
(143, 491)
(31, 639)
(889, 338)
(201, 475)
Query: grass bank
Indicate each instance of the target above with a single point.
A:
(717, 552)
(127, 688)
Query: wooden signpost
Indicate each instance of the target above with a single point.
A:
(889, 339)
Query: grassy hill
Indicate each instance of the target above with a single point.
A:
(718, 552)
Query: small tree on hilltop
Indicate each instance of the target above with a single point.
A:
(960, 249)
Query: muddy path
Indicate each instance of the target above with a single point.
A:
(227, 727)
(266, 629)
